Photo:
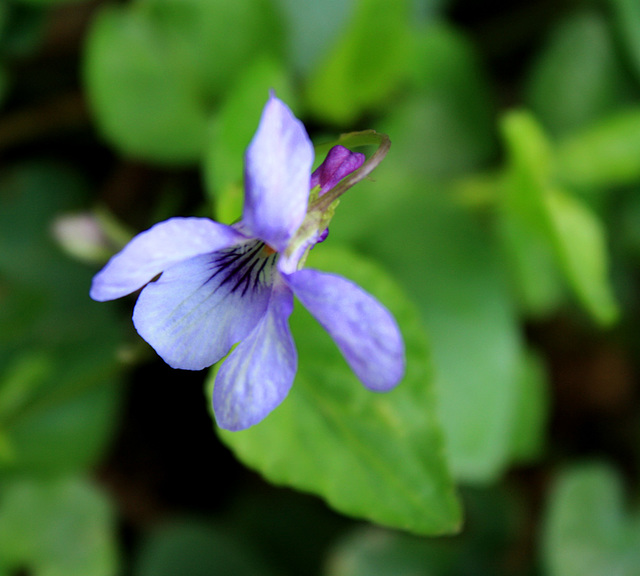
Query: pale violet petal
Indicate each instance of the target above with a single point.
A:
(364, 330)
(277, 173)
(258, 374)
(155, 250)
(198, 309)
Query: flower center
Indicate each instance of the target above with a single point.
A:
(267, 251)
(244, 267)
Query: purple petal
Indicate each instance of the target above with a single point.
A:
(323, 236)
(200, 308)
(340, 162)
(257, 375)
(277, 168)
(155, 250)
(363, 329)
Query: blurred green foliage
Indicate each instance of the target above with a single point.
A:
(586, 528)
(502, 230)
(191, 546)
(60, 527)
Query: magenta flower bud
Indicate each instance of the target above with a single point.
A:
(339, 163)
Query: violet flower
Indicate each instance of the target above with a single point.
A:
(221, 285)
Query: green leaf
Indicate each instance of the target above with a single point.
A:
(67, 424)
(232, 130)
(450, 266)
(23, 28)
(365, 65)
(59, 390)
(59, 527)
(605, 154)
(313, 27)
(490, 530)
(522, 219)
(21, 381)
(555, 224)
(430, 9)
(577, 78)
(373, 456)
(535, 274)
(50, 2)
(192, 547)
(626, 218)
(373, 552)
(627, 19)
(215, 39)
(532, 410)
(586, 531)
(142, 91)
(581, 245)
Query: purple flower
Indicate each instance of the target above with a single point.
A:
(221, 285)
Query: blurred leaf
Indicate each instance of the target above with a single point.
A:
(577, 78)
(523, 222)
(375, 456)
(187, 547)
(586, 531)
(491, 528)
(373, 552)
(532, 410)
(155, 68)
(233, 128)
(445, 127)
(530, 157)
(214, 40)
(551, 222)
(605, 154)
(626, 227)
(58, 385)
(229, 203)
(33, 270)
(365, 65)
(627, 19)
(66, 425)
(532, 264)
(445, 61)
(430, 9)
(23, 28)
(581, 245)
(50, 2)
(59, 527)
(22, 378)
(313, 27)
(143, 93)
(31, 195)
